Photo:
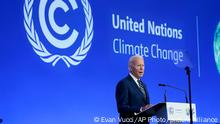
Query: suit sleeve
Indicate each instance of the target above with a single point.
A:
(122, 97)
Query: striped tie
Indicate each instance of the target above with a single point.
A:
(141, 87)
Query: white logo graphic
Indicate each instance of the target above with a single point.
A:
(38, 46)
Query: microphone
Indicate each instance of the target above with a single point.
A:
(187, 69)
(166, 85)
(165, 92)
(162, 85)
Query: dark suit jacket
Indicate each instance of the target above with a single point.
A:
(130, 98)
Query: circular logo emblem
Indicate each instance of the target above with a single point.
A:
(217, 47)
(58, 5)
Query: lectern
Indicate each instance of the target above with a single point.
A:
(172, 112)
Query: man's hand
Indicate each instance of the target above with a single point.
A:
(146, 107)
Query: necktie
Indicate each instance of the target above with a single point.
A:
(141, 87)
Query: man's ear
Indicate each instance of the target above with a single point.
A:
(130, 69)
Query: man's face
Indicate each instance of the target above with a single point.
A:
(137, 67)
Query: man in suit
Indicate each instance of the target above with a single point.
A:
(132, 95)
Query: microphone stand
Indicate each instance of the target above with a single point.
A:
(187, 69)
(165, 96)
(180, 90)
(166, 85)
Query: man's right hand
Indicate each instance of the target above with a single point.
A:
(146, 107)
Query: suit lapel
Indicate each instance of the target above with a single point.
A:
(134, 85)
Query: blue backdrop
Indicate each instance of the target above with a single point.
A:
(169, 34)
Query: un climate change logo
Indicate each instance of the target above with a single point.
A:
(217, 47)
(39, 47)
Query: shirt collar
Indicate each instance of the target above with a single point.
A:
(134, 78)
